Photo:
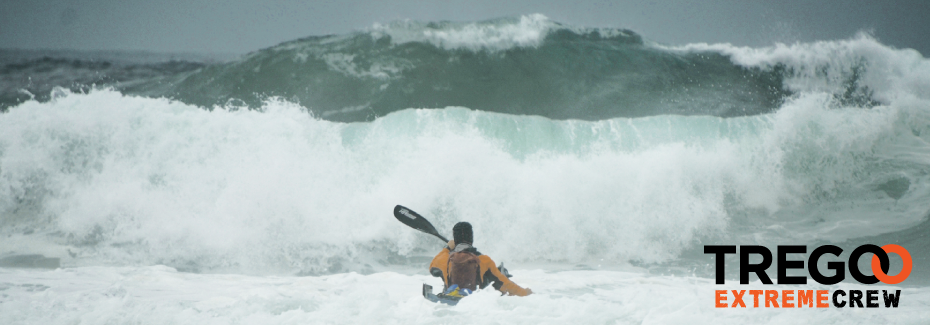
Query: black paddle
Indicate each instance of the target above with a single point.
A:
(416, 221)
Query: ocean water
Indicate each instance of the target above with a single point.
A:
(595, 163)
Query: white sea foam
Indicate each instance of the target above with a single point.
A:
(502, 34)
(826, 65)
(120, 180)
(160, 295)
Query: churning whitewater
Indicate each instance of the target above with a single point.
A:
(593, 162)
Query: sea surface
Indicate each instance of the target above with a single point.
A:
(596, 164)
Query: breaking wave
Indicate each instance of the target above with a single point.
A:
(559, 144)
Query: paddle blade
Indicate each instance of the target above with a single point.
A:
(416, 221)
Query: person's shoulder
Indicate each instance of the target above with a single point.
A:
(442, 252)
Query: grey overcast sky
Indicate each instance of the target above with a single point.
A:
(239, 26)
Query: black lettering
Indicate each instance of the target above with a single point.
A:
(838, 273)
(720, 252)
(854, 262)
(759, 269)
(892, 299)
(855, 298)
(784, 264)
(836, 302)
(870, 296)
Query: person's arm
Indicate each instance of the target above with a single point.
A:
(490, 272)
(439, 264)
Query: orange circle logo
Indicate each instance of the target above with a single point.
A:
(905, 271)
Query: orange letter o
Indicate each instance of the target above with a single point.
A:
(905, 271)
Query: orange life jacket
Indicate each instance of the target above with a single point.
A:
(487, 272)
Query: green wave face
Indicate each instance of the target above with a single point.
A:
(527, 65)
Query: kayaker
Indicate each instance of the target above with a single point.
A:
(460, 264)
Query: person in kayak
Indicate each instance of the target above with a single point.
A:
(462, 265)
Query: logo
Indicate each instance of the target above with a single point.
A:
(879, 266)
(407, 214)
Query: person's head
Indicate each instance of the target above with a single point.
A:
(461, 233)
